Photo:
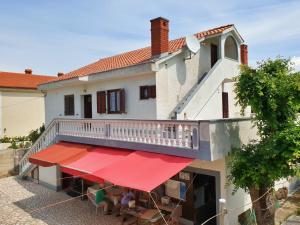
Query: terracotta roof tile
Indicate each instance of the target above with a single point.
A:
(132, 57)
(22, 80)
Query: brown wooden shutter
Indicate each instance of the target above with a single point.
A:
(66, 105)
(122, 101)
(152, 91)
(71, 104)
(101, 102)
(225, 104)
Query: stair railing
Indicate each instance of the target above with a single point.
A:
(46, 138)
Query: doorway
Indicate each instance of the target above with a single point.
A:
(87, 104)
(204, 188)
(213, 54)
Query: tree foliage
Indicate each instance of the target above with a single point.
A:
(273, 92)
(260, 163)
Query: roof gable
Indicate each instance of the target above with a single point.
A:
(134, 57)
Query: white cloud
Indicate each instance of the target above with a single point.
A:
(296, 61)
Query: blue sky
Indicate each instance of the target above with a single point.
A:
(62, 35)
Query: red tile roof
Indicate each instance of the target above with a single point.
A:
(133, 57)
(22, 80)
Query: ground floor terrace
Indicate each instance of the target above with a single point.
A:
(18, 198)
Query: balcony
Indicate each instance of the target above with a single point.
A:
(205, 139)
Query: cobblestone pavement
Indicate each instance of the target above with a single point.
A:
(19, 197)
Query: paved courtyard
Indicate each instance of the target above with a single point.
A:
(19, 197)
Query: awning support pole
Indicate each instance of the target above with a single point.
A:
(158, 209)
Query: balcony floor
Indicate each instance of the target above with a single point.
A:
(19, 197)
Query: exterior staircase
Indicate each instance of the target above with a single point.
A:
(46, 139)
(196, 99)
(186, 98)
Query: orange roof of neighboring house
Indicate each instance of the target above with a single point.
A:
(22, 80)
(133, 57)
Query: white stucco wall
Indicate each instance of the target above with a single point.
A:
(135, 108)
(233, 201)
(207, 102)
(21, 112)
(50, 177)
(177, 76)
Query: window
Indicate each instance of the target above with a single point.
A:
(101, 102)
(69, 105)
(116, 101)
(225, 104)
(147, 92)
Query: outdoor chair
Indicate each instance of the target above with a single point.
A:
(91, 197)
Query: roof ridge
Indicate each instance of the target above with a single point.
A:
(142, 48)
(17, 73)
(133, 57)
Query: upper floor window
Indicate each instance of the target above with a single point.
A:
(69, 105)
(231, 49)
(116, 101)
(147, 92)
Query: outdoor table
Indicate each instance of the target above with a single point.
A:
(143, 216)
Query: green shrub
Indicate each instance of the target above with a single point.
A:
(35, 134)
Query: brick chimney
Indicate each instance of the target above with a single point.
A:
(28, 71)
(59, 74)
(244, 54)
(159, 36)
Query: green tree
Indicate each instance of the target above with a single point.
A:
(273, 92)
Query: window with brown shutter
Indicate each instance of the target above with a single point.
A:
(225, 104)
(144, 92)
(147, 92)
(101, 102)
(69, 105)
(116, 101)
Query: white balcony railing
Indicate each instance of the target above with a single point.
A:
(180, 134)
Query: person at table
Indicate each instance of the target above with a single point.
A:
(127, 196)
(100, 199)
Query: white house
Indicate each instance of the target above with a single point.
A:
(18, 97)
(160, 99)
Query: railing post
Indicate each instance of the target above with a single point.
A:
(195, 137)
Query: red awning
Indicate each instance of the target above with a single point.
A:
(59, 153)
(143, 170)
(95, 159)
(133, 169)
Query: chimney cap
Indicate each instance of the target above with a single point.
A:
(28, 71)
(159, 18)
(60, 74)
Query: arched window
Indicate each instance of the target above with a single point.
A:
(231, 50)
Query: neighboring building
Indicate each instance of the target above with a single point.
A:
(22, 106)
(182, 104)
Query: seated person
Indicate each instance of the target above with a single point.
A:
(100, 199)
(127, 196)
